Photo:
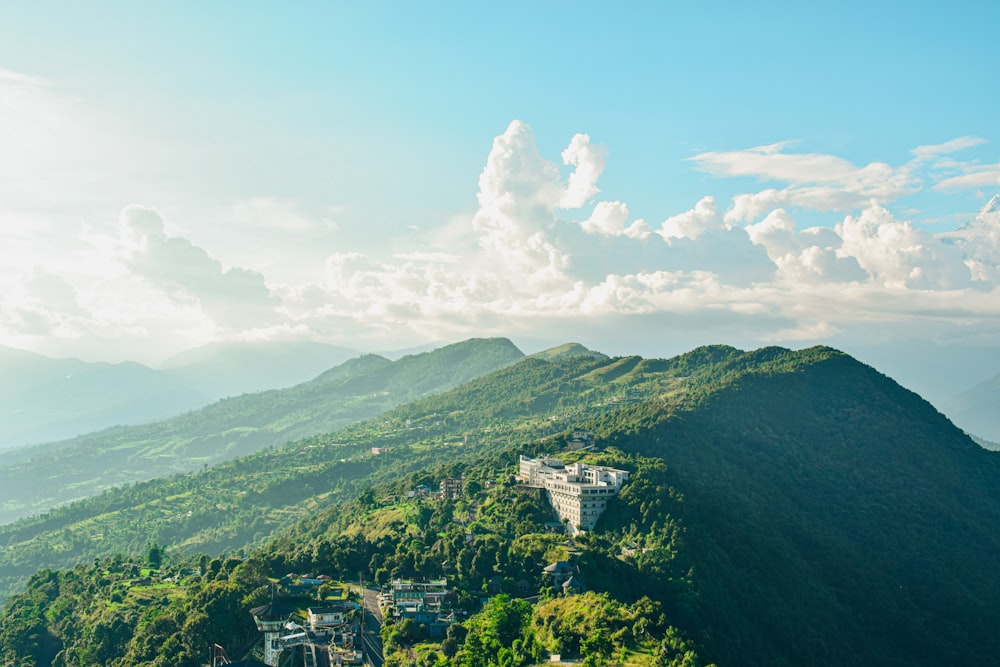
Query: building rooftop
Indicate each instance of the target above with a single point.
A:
(272, 611)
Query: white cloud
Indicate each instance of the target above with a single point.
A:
(829, 183)
(691, 224)
(950, 146)
(518, 264)
(41, 304)
(609, 217)
(588, 162)
(525, 264)
(976, 176)
(811, 256)
(898, 255)
(816, 181)
(771, 163)
(232, 297)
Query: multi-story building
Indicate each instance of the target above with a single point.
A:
(578, 493)
(420, 601)
(451, 487)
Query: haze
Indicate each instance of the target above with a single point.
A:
(641, 179)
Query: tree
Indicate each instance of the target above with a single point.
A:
(154, 555)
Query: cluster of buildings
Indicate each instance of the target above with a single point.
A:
(450, 488)
(330, 636)
(578, 493)
(423, 602)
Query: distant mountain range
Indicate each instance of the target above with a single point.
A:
(977, 410)
(44, 399)
(219, 370)
(40, 477)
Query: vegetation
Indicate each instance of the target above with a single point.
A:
(783, 508)
(39, 478)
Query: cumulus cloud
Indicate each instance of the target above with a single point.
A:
(813, 255)
(588, 163)
(529, 264)
(896, 254)
(232, 297)
(41, 303)
(542, 251)
(690, 224)
(609, 218)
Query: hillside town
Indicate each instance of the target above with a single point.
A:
(313, 621)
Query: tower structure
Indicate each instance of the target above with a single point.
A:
(271, 619)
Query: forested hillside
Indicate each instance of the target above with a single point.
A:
(784, 508)
(238, 503)
(39, 478)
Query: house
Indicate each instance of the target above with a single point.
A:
(560, 572)
(327, 640)
(324, 619)
(572, 586)
(581, 439)
(271, 619)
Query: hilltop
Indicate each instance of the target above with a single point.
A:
(783, 507)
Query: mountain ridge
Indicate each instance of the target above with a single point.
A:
(784, 507)
(43, 399)
(360, 389)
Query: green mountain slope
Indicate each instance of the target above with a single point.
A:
(831, 517)
(241, 502)
(36, 479)
(785, 508)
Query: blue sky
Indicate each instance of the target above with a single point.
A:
(388, 174)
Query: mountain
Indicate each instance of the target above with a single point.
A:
(783, 508)
(38, 478)
(242, 502)
(568, 350)
(43, 399)
(832, 517)
(977, 410)
(218, 370)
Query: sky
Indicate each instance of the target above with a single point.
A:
(642, 178)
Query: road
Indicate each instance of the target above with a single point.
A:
(371, 623)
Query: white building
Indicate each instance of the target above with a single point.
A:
(578, 493)
(324, 619)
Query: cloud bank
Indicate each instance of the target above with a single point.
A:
(544, 252)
